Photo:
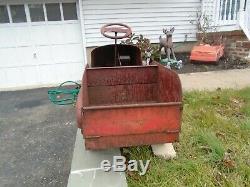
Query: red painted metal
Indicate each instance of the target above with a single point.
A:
(122, 103)
(116, 28)
(106, 142)
(129, 105)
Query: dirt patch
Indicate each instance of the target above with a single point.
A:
(223, 64)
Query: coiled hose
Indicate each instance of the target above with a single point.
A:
(64, 96)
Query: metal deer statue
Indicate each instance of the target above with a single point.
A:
(167, 42)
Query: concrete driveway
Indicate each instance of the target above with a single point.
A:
(36, 139)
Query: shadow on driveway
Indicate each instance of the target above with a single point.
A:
(36, 139)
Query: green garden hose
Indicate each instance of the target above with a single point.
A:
(63, 96)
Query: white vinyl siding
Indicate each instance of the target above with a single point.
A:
(145, 17)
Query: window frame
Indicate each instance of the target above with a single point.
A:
(9, 16)
(43, 10)
(25, 13)
(28, 17)
(77, 14)
(61, 16)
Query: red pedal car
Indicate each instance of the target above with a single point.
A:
(123, 103)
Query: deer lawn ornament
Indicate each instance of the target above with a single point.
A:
(167, 43)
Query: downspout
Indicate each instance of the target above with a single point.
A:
(82, 25)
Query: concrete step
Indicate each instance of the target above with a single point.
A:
(86, 170)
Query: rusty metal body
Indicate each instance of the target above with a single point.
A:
(103, 56)
(122, 103)
(128, 105)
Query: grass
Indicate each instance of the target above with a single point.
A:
(214, 147)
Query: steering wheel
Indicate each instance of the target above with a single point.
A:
(113, 27)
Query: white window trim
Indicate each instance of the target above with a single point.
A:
(27, 12)
(9, 14)
(45, 13)
(77, 11)
(28, 18)
(61, 11)
(10, 24)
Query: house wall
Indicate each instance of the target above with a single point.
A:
(143, 16)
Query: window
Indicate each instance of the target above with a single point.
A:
(4, 18)
(53, 11)
(69, 11)
(17, 13)
(229, 9)
(36, 12)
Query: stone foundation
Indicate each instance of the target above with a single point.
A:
(236, 43)
(239, 49)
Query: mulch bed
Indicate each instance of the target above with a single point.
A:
(223, 64)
